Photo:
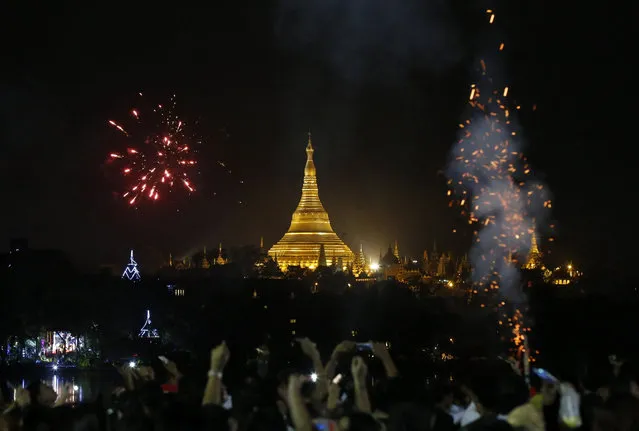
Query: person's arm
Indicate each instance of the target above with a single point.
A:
(310, 349)
(213, 390)
(299, 413)
(64, 395)
(331, 365)
(380, 350)
(22, 401)
(360, 371)
(127, 376)
(174, 374)
(333, 397)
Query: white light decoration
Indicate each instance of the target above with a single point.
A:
(147, 330)
(131, 271)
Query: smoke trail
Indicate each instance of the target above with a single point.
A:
(493, 183)
(371, 39)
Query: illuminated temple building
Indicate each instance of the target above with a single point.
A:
(560, 276)
(310, 235)
(534, 258)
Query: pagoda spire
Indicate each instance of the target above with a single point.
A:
(533, 259)
(321, 260)
(396, 249)
(309, 169)
(310, 225)
(220, 259)
(533, 243)
(359, 265)
(205, 262)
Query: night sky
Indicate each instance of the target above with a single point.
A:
(381, 84)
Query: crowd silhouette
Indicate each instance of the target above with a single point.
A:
(358, 387)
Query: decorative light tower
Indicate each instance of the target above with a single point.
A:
(147, 330)
(131, 271)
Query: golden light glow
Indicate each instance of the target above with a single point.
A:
(310, 229)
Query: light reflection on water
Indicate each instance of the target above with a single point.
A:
(84, 387)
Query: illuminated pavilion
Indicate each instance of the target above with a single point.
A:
(310, 229)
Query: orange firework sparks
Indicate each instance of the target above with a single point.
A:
(492, 183)
(162, 155)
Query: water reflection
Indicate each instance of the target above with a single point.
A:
(83, 387)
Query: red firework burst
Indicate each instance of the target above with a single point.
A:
(159, 152)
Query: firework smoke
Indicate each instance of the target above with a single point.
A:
(371, 40)
(492, 182)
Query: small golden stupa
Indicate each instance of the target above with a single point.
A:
(534, 258)
(310, 229)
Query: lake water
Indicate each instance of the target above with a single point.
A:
(87, 385)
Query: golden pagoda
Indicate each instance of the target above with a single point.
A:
(205, 262)
(220, 259)
(310, 229)
(534, 255)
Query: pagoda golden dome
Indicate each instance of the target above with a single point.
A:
(310, 228)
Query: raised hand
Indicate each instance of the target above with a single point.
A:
(308, 347)
(359, 369)
(65, 394)
(128, 375)
(379, 349)
(295, 382)
(144, 372)
(170, 367)
(23, 398)
(343, 347)
(220, 356)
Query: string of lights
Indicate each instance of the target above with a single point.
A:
(131, 271)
